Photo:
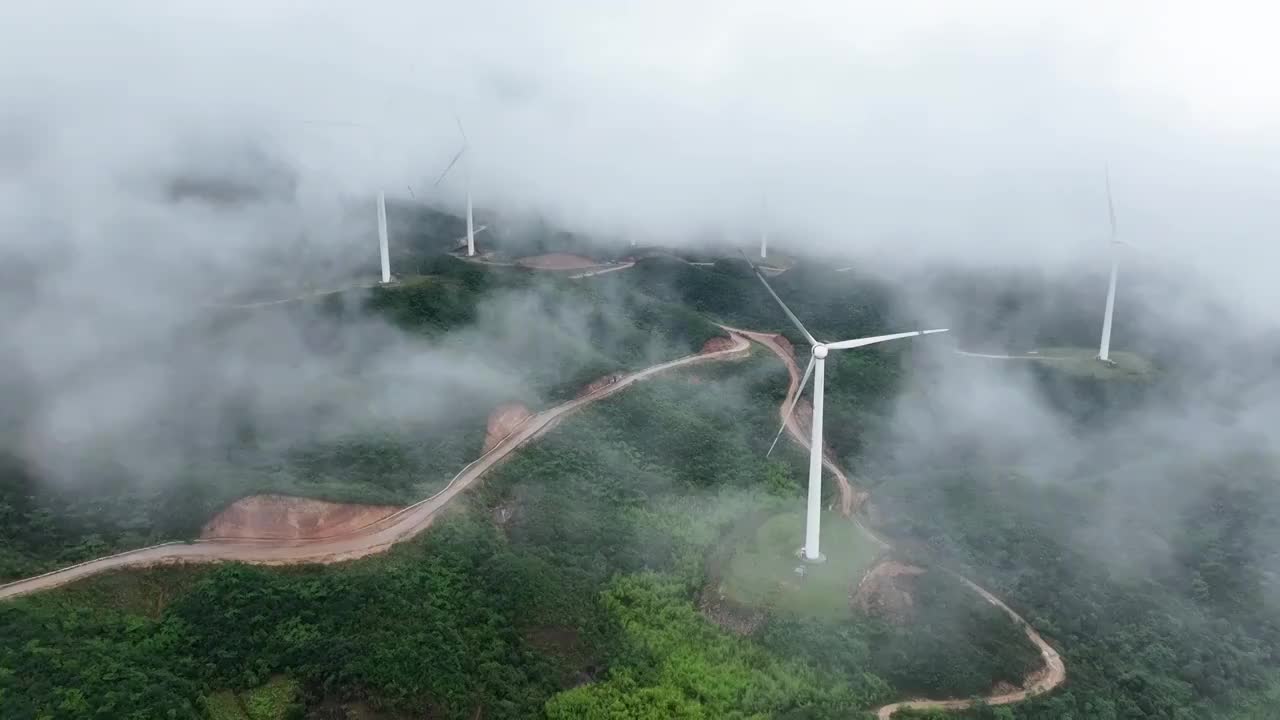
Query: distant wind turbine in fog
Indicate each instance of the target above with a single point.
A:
(764, 229)
(384, 254)
(466, 145)
(382, 237)
(1104, 349)
(817, 363)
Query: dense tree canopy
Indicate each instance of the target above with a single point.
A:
(567, 584)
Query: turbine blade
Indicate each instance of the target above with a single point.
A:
(410, 187)
(860, 342)
(792, 407)
(458, 119)
(1111, 208)
(452, 162)
(790, 315)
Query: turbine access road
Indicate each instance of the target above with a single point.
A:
(1005, 357)
(410, 521)
(850, 499)
(1048, 677)
(372, 538)
(307, 295)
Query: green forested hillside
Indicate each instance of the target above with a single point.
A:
(567, 584)
(579, 560)
(543, 338)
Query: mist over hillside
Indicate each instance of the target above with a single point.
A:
(189, 265)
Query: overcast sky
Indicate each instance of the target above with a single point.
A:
(975, 129)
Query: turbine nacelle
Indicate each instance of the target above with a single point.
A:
(819, 351)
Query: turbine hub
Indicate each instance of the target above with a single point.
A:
(819, 351)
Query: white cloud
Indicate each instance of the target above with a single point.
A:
(976, 130)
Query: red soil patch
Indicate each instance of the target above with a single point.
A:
(884, 591)
(1003, 687)
(503, 421)
(281, 517)
(716, 344)
(600, 384)
(557, 261)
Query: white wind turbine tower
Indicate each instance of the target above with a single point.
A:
(382, 237)
(1104, 349)
(471, 228)
(383, 249)
(764, 230)
(816, 367)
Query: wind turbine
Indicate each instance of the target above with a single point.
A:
(383, 249)
(817, 363)
(764, 229)
(471, 231)
(1104, 349)
(382, 237)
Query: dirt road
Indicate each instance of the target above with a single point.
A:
(1048, 677)
(380, 535)
(605, 269)
(308, 295)
(1042, 681)
(849, 498)
(1004, 357)
(373, 538)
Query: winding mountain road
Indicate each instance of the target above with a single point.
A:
(1048, 677)
(1053, 672)
(410, 521)
(850, 498)
(373, 538)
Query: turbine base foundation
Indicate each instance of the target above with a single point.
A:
(815, 561)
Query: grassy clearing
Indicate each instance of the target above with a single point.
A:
(1084, 362)
(223, 705)
(277, 700)
(764, 572)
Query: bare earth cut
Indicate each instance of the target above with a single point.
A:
(503, 421)
(283, 517)
(716, 344)
(558, 261)
(586, 267)
(880, 591)
(599, 384)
